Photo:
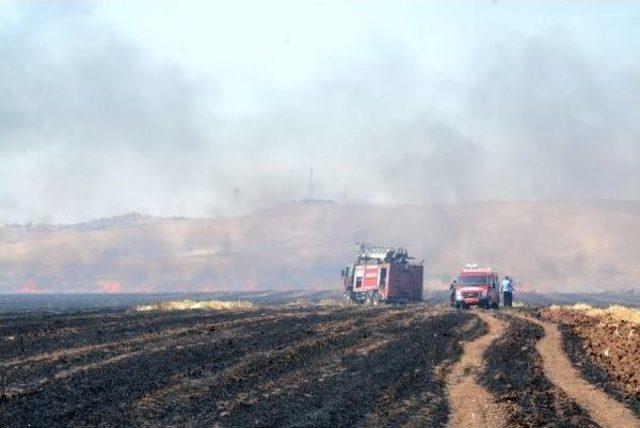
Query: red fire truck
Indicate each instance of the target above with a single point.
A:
(382, 274)
(477, 286)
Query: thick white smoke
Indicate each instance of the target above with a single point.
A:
(93, 123)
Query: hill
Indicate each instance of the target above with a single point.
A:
(549, 246)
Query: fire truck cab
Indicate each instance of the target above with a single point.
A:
(477, 286)
(382, 274)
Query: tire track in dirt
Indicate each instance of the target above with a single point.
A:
(472, 405)
(514, 374)
(603, 409)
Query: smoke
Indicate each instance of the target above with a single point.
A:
(562, 120)
(93, 123)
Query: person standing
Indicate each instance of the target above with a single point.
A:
(507, 292)
(452, 293)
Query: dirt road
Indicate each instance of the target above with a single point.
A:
(471, 404)
(603, 409)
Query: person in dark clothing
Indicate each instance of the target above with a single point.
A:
(452, 293)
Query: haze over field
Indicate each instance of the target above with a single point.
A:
(559, 246)
(414, 117)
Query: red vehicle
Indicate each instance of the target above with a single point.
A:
(477, 286)
(382, 274)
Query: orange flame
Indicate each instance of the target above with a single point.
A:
(30, 287)
(111, 287)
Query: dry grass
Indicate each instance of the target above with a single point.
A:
(335, 302)
(322, 302)
(296, 303)
(185, 305)
(617, 312)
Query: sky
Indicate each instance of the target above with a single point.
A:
(204, 109)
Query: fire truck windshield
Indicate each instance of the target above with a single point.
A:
(473, 280)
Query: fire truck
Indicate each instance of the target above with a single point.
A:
(477, 286)
(382, 274)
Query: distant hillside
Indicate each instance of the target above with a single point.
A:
(568, 246)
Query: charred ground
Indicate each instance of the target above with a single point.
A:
(286, 366)
(306, 364)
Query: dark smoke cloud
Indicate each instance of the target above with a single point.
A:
(91, 124)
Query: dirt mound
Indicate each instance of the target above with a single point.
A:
(604, 348)
(514, 374)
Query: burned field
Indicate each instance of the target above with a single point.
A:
(310, 365)
(604, 348)
(314, 365)
(514, 375)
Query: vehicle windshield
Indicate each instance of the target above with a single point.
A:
(473, 280)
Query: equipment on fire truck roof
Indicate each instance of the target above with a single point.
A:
(382, 253)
